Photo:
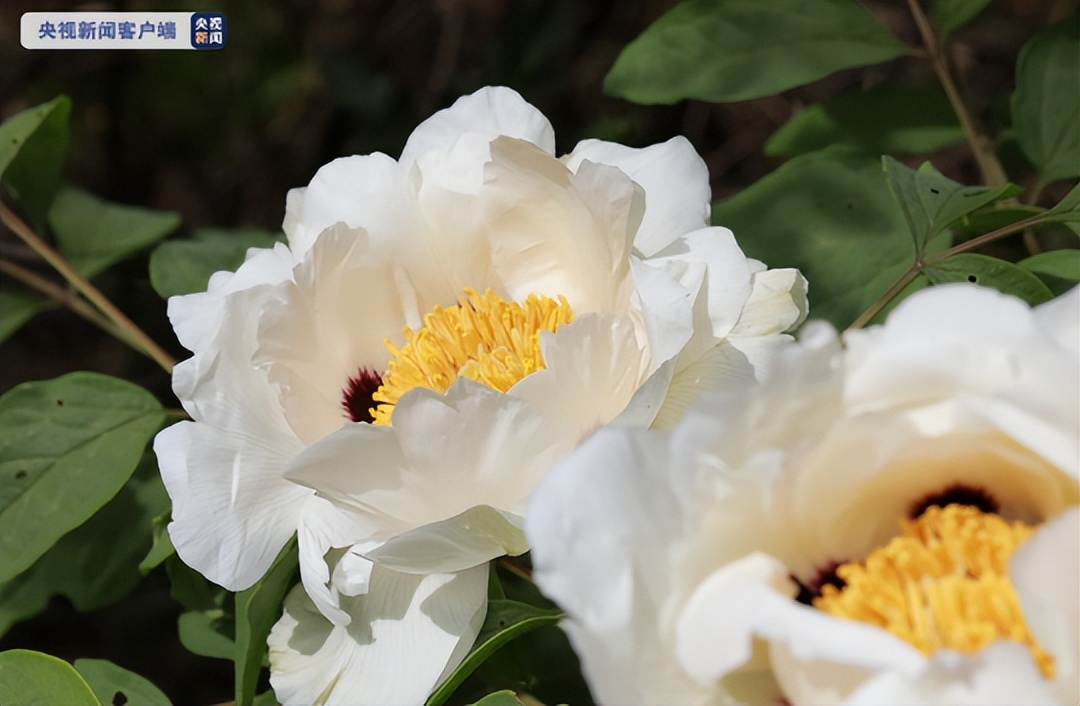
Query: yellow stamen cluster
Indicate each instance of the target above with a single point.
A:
(942, 584)
(483, 338)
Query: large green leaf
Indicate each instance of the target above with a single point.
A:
(953, 14)
(68, 446)
(17, 306)
(1046, 105)
(29, 678)
(257, 609)
(33, 144)
(731, 50)
(95, 564)
(990, 272)
(931, 202)
(505, 620)
(888, 118)
(831, 215)
(185, 266)
(94, 234)
(115, 685)
(1059, 270)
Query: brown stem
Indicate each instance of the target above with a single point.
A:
(981, 146)
(133, 335)
(918, 267)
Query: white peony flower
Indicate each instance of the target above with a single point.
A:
(438, 332)
(786, 542)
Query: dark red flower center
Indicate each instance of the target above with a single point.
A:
(356, 398)
(956, 494)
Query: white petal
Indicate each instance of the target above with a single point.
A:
(553, 232)
(754, 597)
(232, 510)
(720, 365)
(1061, 317)
(595, 364)
(675, 180)
(319, 332)
(667, 307)
(1046, 573)
(489, 113)
(406, 635)
(601, 531)
(777, 303)
(469, 539)
(363, 191)
(492, 449)
(1001, 674)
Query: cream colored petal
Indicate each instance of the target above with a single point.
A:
(406, 634)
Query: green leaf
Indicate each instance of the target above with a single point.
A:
(989, 272)
(96, 564)
(257, 609)
(1046, 105)
(505, 620)
(94, 234)
(185, 266)
(953, 14)
(986, 220)
(17, 306)
(68, 446)
(831, 215)
(505, 697)
(887, 119)
(1068, 209)
(206, 633)
(115, 685)
(732, 50)
(191, 589)
(161, 547)
(1059, 270)
(931, 202)
(33, 144)
(29, 678)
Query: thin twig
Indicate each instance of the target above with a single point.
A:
(135, 336)
(64, 297)
(981, 146)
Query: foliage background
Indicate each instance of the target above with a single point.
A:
(219, 137)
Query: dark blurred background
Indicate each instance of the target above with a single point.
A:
(219, 137)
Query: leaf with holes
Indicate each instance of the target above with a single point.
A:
(117, 686)
(33, 145)
(185, 266)
(505, 620)
(29, 678)
(733, 50)
(931, 202)
(989, 272)
(68, 446)
(96, 564)
(888, 118)
(94, 234)
(1046, 103)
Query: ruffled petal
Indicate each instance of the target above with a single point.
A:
(232, 511)
(1001, 674)
(492, 450)
(406, 635)
(489, 113)
(672, 175)
(554, 232)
